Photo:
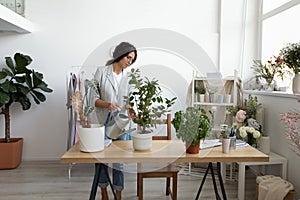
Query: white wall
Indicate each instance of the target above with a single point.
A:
(69, 31)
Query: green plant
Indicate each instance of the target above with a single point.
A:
(146, 96)
(224, 131)
(291, 56)
(191, 125)
(83, 104)
(17, 82)
(200, 90)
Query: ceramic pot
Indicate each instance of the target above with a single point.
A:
(91, 139)
(142, 141)
(296, 84)
(225, 145)
(192, 149)
(264, 144)
(202, 98)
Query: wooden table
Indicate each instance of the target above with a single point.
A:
(165, 151)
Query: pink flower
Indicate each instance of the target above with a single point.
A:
(240, 116)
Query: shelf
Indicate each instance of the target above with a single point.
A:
(11, 21)
(213, 104)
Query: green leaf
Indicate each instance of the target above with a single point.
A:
(40, 96)
(25, 102)
(21, 62)
(10, 64)
(4, 98)
(20, 79)
(8, 87)
(3, 74)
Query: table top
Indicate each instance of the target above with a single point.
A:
(165, 151)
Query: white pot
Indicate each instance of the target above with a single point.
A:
(296, 84)
(264, 144)
(142, 142)
(225, 145)
(91, 139)
(202, 97)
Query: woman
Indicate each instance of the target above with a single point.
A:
(114, 85)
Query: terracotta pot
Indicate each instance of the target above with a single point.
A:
(192, 149)
(11, 153)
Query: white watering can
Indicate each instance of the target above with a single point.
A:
(115, 128)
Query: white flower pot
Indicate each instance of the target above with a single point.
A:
(225, 145)
(264, 144)
(296, 84)
(142, 142)
(91, 139)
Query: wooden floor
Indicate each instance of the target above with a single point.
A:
(34, 180)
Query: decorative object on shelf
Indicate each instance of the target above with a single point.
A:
(291, 57)
(291, 125)
(17, 84)
(225, 138)
(146, 98)
(228, 98)
(211, 93)
(91, 135)
(191, 126)
(274, 67)
(199, 93)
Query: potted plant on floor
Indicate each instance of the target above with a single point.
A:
(17, 84)
(191, 126)
(146, 100)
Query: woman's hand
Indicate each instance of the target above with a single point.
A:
(131, 113)
(113, 106)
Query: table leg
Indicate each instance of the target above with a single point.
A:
(241, 182)
(210, 167)
(93, 193)
(221, 180)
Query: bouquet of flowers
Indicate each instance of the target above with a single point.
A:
(250, 130)
(291, 56)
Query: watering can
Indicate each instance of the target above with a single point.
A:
(115, 126)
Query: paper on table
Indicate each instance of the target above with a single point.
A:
(210, 143)
(241, 143)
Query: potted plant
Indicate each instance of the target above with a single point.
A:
(274, 67)
(200, 91)
(225, 138)
(291, 57)
(17, 84)
(145, 98)
(191, 126)
(91, 135)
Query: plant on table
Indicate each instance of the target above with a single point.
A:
(83, 104)
(17, 84)
(191, 125)
(145, 99)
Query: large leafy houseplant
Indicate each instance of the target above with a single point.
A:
(17, 84)
(191, 125)
(146, 96)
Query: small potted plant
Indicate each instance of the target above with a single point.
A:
(291, 57)
(91, 134)
(191, 126)
(18, 83)
(200, 92)
(145, 98)
(225, 138)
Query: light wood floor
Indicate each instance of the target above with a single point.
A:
(34, 180)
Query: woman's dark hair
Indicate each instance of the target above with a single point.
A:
(126, 54)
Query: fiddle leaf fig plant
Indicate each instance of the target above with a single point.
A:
(17, 84)
(146, 97)
(191, 125)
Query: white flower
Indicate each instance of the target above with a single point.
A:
(251, 130)
(256, 134)
(243, 131)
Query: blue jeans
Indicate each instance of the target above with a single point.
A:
(117, 171)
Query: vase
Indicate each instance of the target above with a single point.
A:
(225, 145)
(91, 139)
(264, 144)
(296, 84)
(192, 149)
(202, 98)
(142, 141)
